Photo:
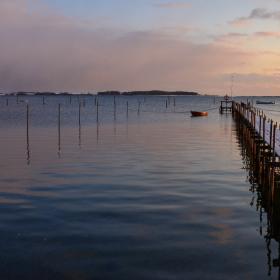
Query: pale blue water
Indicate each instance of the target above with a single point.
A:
(155, 195)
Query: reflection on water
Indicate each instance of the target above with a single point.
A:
(145, 192)
(27, 134)
(59, 130)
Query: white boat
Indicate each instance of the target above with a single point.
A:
(265, 102)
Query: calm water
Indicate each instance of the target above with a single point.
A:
(152, 195)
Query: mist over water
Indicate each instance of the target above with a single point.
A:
(148, 193)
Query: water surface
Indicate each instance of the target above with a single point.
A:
(152, 194)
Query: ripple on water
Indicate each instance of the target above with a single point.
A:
(155, 196)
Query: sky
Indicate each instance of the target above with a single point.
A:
(93, 45)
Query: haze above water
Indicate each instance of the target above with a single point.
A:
(154, 194)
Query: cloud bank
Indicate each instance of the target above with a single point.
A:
(43, 50)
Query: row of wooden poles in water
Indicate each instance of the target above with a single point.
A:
(96, 104)
(58, 125)
(82, 100)
(264, 159)
(81, 103)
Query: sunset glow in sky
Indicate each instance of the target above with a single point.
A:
(92, 45)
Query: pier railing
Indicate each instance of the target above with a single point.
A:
(265, 128)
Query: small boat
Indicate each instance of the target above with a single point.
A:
(199, 114)
(265, 102)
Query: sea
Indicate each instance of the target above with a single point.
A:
(129, 187)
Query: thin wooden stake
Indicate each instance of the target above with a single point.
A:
(97, 111)
(126, 109)
(79, 114)
(139, 104)
(27, 134)
(115, 108)
(27, 119)
(59, 118)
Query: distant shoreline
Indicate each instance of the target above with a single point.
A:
(127, 93)
(149, 92)
(105, 93)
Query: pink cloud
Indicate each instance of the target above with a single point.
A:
(267, 34)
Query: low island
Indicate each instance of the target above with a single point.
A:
(150, 92)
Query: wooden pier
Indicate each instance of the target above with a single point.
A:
(265, 203)
(262, 139)
(259, 139)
